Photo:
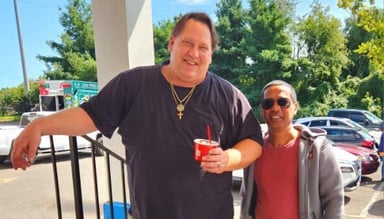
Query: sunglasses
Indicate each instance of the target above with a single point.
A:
(268, 103)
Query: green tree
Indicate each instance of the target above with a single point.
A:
(268, 44)
(355, 35)
(268, 40)
(229, 61)
(76, 51)
(161, 33)
(370, 19)
(326, 55)
(14, 101)
(369, 94)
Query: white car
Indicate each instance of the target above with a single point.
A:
(350, 167)
(60, 142)
(317, 121)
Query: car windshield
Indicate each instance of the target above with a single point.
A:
(365, 135)
(373, 117)
(356, 125)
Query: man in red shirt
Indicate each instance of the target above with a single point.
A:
(297, 176)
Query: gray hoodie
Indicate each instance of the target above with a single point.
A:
(321, 191)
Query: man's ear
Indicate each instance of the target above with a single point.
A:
(296, 108)
(171, 41)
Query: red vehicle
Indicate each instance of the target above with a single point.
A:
(370, 161)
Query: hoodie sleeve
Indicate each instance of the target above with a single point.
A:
(330, 184)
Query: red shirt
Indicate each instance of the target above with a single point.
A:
(276, 175)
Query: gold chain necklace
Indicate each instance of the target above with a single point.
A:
(180, 103)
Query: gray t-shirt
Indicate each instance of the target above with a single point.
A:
(164, 179)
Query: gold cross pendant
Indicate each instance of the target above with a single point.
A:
(180, 114)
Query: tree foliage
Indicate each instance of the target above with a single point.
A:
(355, 36)
(326, 55)
(371, 19)
(329, 67)
(269, 45)
(230, 57)
(14, 101)
(76, 51)
(161, 33)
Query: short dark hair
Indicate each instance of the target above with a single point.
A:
(200, 17)
(280, 83)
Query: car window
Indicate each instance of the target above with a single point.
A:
(372, 117)
(358, 118)
(348, 135)
(305, 123)
(333, 134)
(340, 114)
(336, 123)
(365, 135)
(356, 125)
(357, 136)
(318, 123)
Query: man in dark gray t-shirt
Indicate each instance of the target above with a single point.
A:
(158, 111)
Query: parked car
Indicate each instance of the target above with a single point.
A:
(317, 121)
(350, 167)
(370, 161)
(61, 142)
(363, 117)
(350, 135)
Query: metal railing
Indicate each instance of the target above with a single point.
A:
(76, 178)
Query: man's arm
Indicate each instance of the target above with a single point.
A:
(71, 122)
(239, 156)
(243, 154)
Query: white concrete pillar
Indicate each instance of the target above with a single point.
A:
(123, 40)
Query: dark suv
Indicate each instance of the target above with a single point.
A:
(363, 117)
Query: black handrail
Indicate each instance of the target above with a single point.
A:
(76, 177)
(56, 178)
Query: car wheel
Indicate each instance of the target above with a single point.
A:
(3, 158)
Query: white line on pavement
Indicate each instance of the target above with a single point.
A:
(374, 198)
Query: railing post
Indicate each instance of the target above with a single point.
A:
(56, 178)
(76, 177)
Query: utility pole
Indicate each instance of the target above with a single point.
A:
(25, 74)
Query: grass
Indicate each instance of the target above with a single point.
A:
(14, 118)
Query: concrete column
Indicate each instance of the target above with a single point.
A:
(123, 40)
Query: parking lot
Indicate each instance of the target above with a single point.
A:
(31, 193)
(367, 201)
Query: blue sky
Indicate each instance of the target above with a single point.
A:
(39, 24)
